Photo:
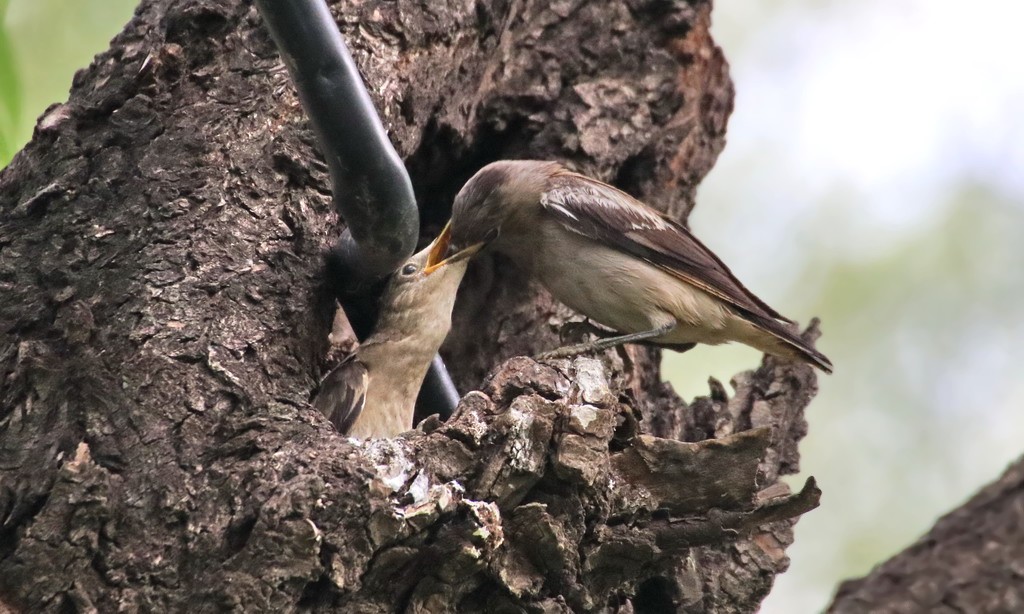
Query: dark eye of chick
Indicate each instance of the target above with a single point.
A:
(409, 269)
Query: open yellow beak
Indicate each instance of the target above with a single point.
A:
(436, 256)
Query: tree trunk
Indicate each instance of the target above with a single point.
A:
(971, 561)
(165, 318)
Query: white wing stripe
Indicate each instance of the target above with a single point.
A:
(564, 211)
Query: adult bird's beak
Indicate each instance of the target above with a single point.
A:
(436, 256)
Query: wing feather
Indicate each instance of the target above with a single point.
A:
(607, 215)
(342, 393)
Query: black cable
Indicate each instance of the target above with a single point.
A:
(372, 190)
(438, 394)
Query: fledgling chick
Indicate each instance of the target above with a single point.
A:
(616, 261)
(372, 392)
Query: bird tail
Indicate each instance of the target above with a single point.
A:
(783, 341)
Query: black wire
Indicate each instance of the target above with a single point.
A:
(371, 187)
(372, 190)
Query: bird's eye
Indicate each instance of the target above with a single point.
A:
(409, 269)
(491, 235)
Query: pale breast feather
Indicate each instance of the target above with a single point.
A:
(342, 393)
(612, 217)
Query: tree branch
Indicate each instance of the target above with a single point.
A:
(970, 561)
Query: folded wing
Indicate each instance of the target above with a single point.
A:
(610, 216)
(342, 393)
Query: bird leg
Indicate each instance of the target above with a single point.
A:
(607, 342)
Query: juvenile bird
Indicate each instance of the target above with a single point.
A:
(616, 261)
(372, 392)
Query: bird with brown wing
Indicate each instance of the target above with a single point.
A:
(372, 392)
(617, 261)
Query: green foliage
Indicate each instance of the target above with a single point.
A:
(10, 100)
(42, 44)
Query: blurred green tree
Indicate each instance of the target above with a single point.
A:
(42, 44)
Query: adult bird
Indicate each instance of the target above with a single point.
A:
(617, 261)
(372, 392)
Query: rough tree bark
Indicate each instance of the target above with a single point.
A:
(164, 321)
(971, 561)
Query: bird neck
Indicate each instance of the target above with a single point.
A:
(395, 356)
(396, 370)
(522, 237)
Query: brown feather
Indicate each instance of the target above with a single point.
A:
(603, 213)
(342, 393)
(609, 216)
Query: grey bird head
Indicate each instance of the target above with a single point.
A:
(419, 298)
(497, 192)
(373, 391)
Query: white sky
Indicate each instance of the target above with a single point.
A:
(880, 99)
